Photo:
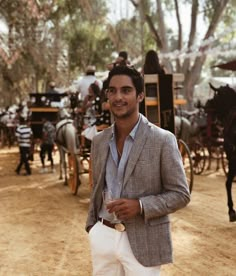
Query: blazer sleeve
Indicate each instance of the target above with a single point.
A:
(174, 188)
(91, 220)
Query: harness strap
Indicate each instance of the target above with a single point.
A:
(63, 142)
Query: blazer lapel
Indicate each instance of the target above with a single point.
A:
(102, 158)
(140, 138)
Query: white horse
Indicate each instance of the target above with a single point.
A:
(68, 145)
(190, 127)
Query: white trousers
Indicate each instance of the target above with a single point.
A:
(112, 255)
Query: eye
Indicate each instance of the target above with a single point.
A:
(126, 90)
(111, 90)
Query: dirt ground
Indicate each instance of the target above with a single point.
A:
(42, 226)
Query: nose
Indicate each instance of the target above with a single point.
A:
(118, 94)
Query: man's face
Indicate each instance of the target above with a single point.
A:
(122, 97)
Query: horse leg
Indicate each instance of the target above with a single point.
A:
(60, 162)
(63, 165)
(65, 169)
(229, 181)
(217, 159)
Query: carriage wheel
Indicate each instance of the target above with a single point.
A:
(224, 162)
(214, 153)
(73, 169)
(2, 138)
(187, 162)
(198, 157)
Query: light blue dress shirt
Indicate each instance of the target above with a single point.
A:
(115, 168)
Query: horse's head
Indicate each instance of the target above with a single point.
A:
(224, 99)
(63, 114)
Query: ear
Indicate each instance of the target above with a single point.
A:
(140, 97)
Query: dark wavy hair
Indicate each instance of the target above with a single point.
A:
(123, 54)
(152, 64)
(96, 90)
(129, 71)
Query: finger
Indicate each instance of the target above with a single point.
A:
(114, 205)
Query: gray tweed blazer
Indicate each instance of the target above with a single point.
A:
(155, 174)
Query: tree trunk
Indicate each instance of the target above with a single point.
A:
(191, 78)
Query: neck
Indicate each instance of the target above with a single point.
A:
(124, 125)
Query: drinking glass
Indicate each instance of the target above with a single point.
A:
(108, 198)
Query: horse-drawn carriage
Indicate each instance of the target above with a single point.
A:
(160, 102)
(49, 106)
(204, 138)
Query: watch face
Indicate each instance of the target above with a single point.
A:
(120, 227)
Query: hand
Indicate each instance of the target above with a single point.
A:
(124, 208)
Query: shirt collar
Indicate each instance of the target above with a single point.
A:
(132, 132)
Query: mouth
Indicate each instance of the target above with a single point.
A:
(119, 105)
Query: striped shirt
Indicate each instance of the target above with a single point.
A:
(23, 134)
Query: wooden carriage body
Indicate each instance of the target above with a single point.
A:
(44, 105)
(160, 99)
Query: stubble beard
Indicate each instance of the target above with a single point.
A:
(124, 115)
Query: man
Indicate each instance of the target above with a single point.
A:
(86, 81)
(141, 165)
(24, 136)
(52, 88)
(48, 140)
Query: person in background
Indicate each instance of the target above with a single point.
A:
(24, 136)
(105, 118)
(52, 88)
(151, 66)
(122, 59)
(128, 222)
(47, 145)
(84, 83)
(91, 106)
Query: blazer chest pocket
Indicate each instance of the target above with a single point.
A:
(143, 168)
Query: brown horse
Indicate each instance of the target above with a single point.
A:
(224, 105)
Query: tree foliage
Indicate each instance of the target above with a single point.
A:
(56, 39)
(167, 41)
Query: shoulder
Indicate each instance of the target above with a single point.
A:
(103, 135)
(144, 122)
(157, 133)
(160, 132)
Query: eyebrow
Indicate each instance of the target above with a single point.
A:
(125, 86)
